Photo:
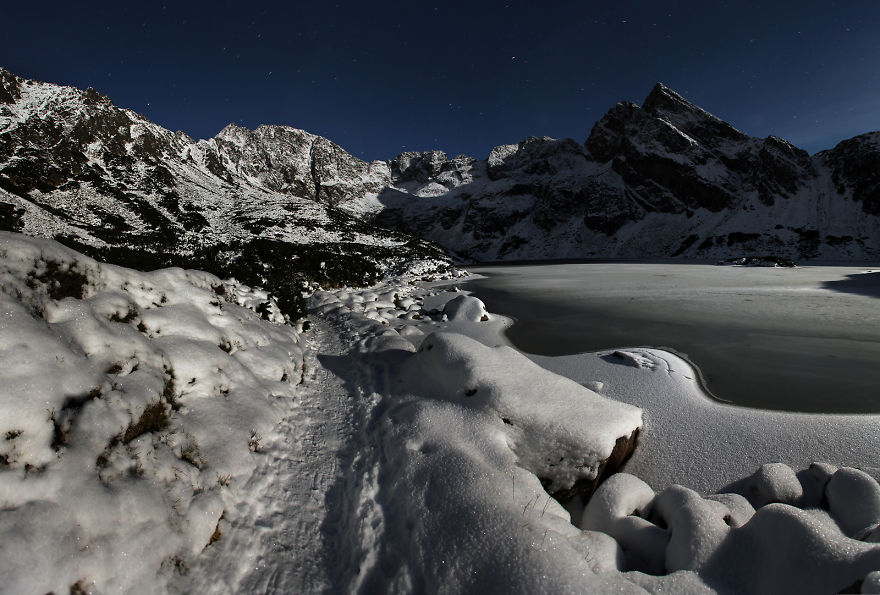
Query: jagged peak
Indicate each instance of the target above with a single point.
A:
(663, 99)
(232, 129)
(665, 103)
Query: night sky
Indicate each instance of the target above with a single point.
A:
(380, 78)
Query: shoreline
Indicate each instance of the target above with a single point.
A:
(787, 344)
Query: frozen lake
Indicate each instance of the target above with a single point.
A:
(801, 339)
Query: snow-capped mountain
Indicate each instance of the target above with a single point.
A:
(666, 179)
(259, 205)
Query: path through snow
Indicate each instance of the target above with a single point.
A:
(277, 537)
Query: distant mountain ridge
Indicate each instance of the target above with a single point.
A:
(258, 205)
(666, 179)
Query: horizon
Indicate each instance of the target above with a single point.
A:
(383, 80)
(479, 157)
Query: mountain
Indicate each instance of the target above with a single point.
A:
(282, 208)
(666, 179)
(258, 205)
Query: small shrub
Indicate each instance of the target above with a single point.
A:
(256, 441)
(178, 564)
(61, 281)
(154, 419)
(131, 315)
(218, 533)
(189, 452)
(169, 391)
(59, 430)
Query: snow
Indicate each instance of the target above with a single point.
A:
(558, 429)
(159, 435)
(131, 403)
(854, 500)
(467, 308)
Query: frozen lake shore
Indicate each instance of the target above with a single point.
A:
(799, 339)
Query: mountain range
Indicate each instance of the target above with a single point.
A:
(662, 180)
(287, 209)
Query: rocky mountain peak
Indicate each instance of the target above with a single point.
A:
(232, 131)
(92, 97)
(693, 120)
(663, 100)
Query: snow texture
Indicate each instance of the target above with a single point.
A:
(132, 404)
(172, 432)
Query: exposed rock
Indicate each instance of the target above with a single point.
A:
(855, 169)
(624, 448)
(758, 261)
(10, 87)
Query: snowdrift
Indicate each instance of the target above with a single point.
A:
(132, 403)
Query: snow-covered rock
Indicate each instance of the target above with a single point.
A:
(775, 482)
(853, 499)
(560, 431)
(466, 308)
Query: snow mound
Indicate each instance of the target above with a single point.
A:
(466, 308)
(854, 500)
(729, 546)
(560, 431)
(775, 482)
(455, 512)
(133, 404)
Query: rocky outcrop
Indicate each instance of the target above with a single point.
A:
(854, 166)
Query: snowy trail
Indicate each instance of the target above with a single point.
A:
(276, 538)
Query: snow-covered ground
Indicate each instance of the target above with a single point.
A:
(171, 432)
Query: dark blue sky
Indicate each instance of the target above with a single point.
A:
(380, 78)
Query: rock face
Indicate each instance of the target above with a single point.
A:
(261, 205)
(666, 179)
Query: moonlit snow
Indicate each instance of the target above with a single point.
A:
(174, 432)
